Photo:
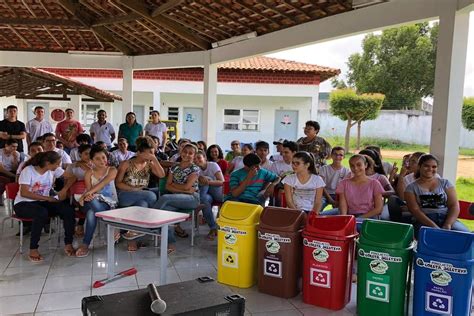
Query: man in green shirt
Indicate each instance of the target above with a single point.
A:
(235, 146)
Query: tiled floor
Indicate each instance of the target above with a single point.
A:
(56, 286)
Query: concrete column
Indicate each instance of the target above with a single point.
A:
(157, 101)
(76, 105)
(127, 88)
(314, 104)
(210, 102)
(448, 90)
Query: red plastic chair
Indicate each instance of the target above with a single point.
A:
(79, 187)
(464, 213)
(11, 190)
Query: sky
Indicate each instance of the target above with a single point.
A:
(336, 53)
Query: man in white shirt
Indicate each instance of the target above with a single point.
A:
(102, 131)
(283, 167)
(261, 149)
(49, 144)
(38, 126)
(332, 174)
(157, 128)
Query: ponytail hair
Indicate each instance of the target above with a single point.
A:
(307, 158)
(361, 157)
(41, 158)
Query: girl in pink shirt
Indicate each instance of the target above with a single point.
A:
(360, 195)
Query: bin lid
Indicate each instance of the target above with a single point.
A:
(282, 219)
(336, 226)
(446, 244)
(386, 234)
(241, 213)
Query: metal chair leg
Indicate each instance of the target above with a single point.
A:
(192, 228)
(21, 237)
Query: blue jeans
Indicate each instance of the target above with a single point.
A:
(143, 198)
(439, 220)
(90, 208)
(325, 202)
(176, 202)
(208, 195)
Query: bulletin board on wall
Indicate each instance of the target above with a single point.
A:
(172, 126)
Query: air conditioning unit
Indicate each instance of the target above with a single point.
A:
(357, 4)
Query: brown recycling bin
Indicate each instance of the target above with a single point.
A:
(280, 251)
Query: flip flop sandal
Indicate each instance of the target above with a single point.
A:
(36, 259)
(171, 250)
(132, 249)
(82, 255)
(70, 252)
(181, 233)
(132, 235)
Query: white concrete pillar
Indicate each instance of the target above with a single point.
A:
(127, 88)
(448, 90)
(157, 101)
(314, 104)
(209, 102)
(76, 104)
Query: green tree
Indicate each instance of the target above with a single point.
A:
(399, 63)
(347, 105)
(468, 113)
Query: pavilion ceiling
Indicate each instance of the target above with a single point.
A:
(139, 27)
(32, 83)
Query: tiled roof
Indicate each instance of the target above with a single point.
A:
(280, 65)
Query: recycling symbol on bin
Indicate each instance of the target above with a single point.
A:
(377, 291)
(438, 304)
(272, 268)
(319, 278)
(229, 259)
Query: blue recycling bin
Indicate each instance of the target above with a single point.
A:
(443, 272)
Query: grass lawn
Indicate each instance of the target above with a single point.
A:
(390, 144)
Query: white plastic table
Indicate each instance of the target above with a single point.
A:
(143, 220)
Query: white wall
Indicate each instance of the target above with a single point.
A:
(266, 106)
(399, 125)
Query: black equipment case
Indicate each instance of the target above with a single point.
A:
(200, 297)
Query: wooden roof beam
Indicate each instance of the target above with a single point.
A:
(74, 8)
(140, 7)
(117, 19)
(165, 7)
(44, 22)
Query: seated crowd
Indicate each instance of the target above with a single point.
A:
(144, 169)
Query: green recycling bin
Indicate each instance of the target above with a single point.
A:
(384, 254)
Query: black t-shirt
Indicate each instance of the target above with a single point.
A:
(12, 128)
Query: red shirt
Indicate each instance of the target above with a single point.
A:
(223, 164)
(68, 130)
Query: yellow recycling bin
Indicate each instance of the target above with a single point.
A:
(237, 244)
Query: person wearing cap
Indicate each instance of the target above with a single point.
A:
(279, 148)
(235, 151)
(252, 184)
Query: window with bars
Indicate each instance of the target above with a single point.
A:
(173, 114)
(89, 114)
(241, 120)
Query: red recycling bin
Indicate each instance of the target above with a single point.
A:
(328, 252)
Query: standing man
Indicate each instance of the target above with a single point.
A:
(102, 130)
(157, 128)
(11, 128)
(67, 131)
(38, 126)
